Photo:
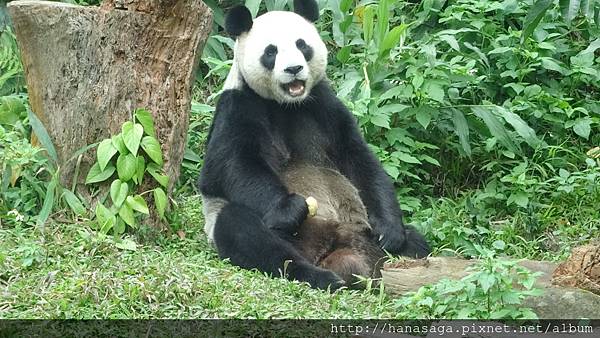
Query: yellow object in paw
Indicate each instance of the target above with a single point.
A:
(312, 206)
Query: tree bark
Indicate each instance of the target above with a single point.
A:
(89, 68)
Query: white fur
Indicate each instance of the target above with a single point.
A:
(281, 29)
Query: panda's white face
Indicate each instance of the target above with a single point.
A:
(281, 58)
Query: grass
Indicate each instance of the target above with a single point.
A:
(70, 272)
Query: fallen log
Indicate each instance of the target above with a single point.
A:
(569, 289)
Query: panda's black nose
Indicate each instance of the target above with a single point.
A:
(293, 70)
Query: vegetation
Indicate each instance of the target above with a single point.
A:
(485, 113)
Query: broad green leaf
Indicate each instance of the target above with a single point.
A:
(253, 6)
(423, 117)
(392, 39)
(106, 150)
(477, 51)
(594, 45)
(160, 200)
(582, 127)
(138, 203)
(126, 213)
(520, 198)
(118, 192)
(73, 202)
(118, 143)
(380, 120)
(499, 244)
(520, 126)
(96, 175)
(42, 135)
(343, 54)
(145, 119)
(11, 110)
(451, 41)
(404, 157)
(496, 127)
(461, 129)
(126, 244)
(435, 92)
(534, 15)
(156, 172)
(383, 23)
(104, 217)
(152, 148)
(48, 203)
(569, 9)
(140, 168)
(551, 64)
(132, 134)
(126, 167)
(345, 5)
(119, 227)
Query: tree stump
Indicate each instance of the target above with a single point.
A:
(89, 68)
(566, 286)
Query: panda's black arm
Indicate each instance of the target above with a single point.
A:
(236, 169)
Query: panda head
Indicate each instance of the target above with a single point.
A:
(280, 55)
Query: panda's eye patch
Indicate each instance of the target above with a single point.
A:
(270, 50)
(306, 50)
(268, 57)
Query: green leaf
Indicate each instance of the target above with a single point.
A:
(106, 150)
(498, 244)
(345, 5)
(380, 120)
(423, 117)
(404, 157)
(145, 119)
(96, 175)
(343, 54)
(48, 203)
(383, 24)
(73, 202)
(132, 134)
(486, 281)
(392, 39)
(569, 9)
(534, 15)
(104, 217)
(118, 192)
(11, 110)
(126, 244)
(119, 227)
(520, 198)
(156, 172)
(520, 126)
(126, 167)
(42, 135)
(582, 127)
(253, 6)
(118, 143)
(160, 200)
(495, 127)
(140, 168)
(435, 92)
(138, 203)
(461, 129)
(451, 41)
(368, 15)
(152, 148)
(126, 213)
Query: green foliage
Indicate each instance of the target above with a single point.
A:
(494, 289)
(121, 154)
(11, 70)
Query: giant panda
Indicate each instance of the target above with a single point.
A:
(280, 135)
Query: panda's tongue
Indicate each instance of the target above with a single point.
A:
(295, 88)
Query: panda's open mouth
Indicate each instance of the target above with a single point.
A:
(294, 88)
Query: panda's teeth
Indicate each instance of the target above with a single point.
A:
(295, 88)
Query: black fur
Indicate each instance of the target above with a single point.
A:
(251, 142)
(238, 21)
(268, 57)
(306, 50)
(309, 9)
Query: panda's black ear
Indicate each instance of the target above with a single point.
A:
(238, 21)
(309, 9)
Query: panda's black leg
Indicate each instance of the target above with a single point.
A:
(241, 236)
(416, 245)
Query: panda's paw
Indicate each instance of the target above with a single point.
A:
(416, 245)
(391, 238)
(319, 278)
(287, 215)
